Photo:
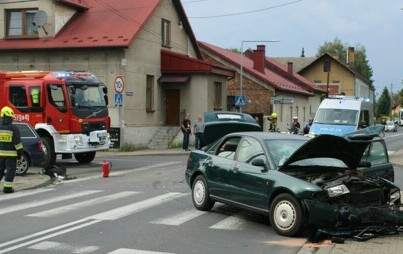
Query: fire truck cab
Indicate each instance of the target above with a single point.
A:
(68, 110)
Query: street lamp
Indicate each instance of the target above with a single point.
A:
(241, 84)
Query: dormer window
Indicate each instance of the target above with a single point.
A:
(19, 23)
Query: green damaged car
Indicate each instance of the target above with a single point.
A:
(328, 182)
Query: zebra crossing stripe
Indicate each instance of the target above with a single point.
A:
(57, 247)
(126, 210)
(230, 223)
(24, 194)
(64, 209)
(85, 223)
(32, 204)
(180, 218)
(133, 251)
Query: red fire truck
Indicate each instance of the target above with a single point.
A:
(68, 110)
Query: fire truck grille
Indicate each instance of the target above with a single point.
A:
(93, 126)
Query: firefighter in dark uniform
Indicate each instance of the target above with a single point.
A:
(10, 148)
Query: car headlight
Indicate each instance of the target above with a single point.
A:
(394, 196)
(79, 141)
(337, 190)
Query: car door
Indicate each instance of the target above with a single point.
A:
(248, 182)
(219, 166)
(377, 155)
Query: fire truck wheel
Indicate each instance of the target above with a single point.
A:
(22, 166)
(85, 158)
(50, 155)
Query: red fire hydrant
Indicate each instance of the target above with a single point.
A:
(106, 168)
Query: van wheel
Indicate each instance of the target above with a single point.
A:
(49, 149)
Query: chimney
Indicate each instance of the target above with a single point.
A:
(350, 56)
(290, 67)
(259, 55)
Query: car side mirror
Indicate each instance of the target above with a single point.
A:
(364, 164)
(363, 125)
(259, 162)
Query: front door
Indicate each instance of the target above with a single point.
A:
(56, 108)
(172, 106)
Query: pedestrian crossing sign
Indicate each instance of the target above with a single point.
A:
(240, 101)
(118, 99)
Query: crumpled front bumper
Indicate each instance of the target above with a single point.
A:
(335, 217)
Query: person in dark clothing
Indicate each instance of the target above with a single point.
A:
(295, 126)
(198, 131)
(10, 148)
(186, 130)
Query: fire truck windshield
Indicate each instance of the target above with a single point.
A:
(86, 96)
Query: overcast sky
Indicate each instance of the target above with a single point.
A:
(297, 24)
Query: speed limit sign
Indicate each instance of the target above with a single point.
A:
(119, 84)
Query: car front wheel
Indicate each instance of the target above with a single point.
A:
(200, 195)
(286, 215)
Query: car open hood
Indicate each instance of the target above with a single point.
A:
(350, 151)
(220, 123)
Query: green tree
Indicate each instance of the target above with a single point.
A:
(361, 63)
(384, 103)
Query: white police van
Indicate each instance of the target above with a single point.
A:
(339, 115)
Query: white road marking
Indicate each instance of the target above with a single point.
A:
(123, 211)
(48, 236)
(134, 251)
(56, 246)
(391, 152)
(23, 194)
(72, 226)
(230, 223)
(32, 204)
(111, 174)
(179, 218)
(63, 209)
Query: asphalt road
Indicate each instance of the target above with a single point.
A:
(147, 209)
(145, 205)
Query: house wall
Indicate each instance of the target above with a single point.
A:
(338, 73)
(57, 15)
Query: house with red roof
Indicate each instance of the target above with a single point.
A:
(149, 43)
(342, 77)
(268, 86)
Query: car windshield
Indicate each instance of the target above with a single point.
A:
(85, 96)
(336, 116)
(281, 150)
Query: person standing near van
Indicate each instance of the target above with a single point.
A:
(198, 130)
(186, 130)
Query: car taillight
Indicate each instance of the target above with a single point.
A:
(40, 145)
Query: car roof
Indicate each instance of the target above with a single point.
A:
(269, 135)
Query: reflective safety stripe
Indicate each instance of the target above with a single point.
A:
(8, 153)
(8, 184)
(18, 146)
(6, 136)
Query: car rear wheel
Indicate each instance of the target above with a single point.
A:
(50, 155)
(286, 215)
(200, 195)
(22, 166)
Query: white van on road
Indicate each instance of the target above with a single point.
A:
(340, 115)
